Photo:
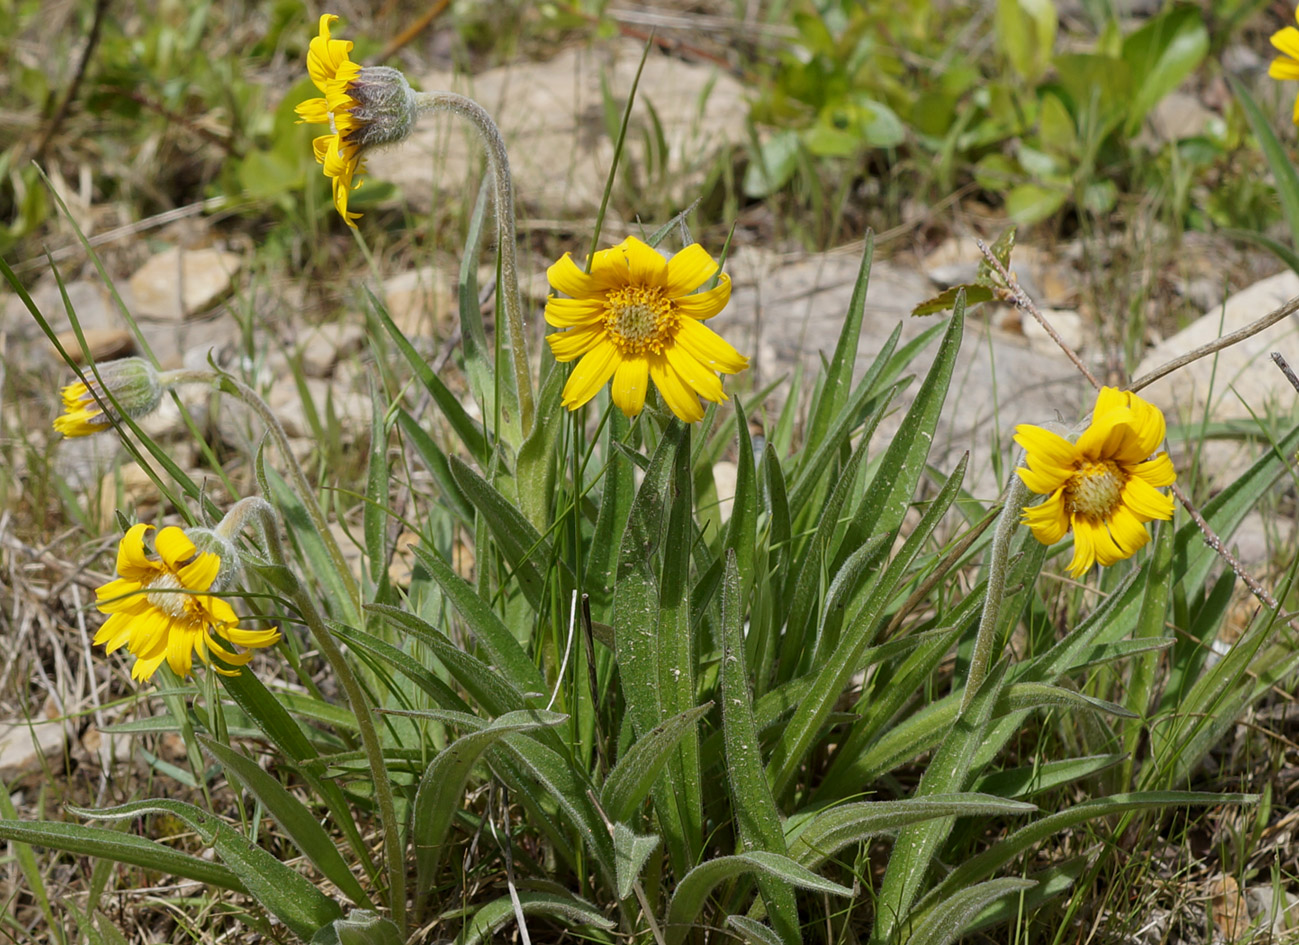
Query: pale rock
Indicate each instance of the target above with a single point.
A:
(421, 301)
(104, 344)
(89, 300)
(551, 115)
(1067, 324)
(725, 479)
(353, 556)
(327, 344)
(1240, 379)
(25, 747)
(127, 487)
(1277, 914)
(1179, 115)
(351, 408)
(177, 284)
(401, 568)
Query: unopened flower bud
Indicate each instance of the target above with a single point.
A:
(136, 392)
(385, 106)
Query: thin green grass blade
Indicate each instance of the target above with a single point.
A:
(742, 529)
(538, 456)
(619, 488)
(1284, 175)
(375, 513)
(438, 466)
(1035, 779)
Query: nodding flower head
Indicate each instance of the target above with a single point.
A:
(87, 408)
(363, 106)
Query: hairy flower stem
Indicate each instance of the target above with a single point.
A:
(268, 519)
(985, 641)
(299, 478)
(498, 165)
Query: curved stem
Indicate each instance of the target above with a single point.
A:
(360, 706)
(300, 483)
(986, 639)
(498, 165)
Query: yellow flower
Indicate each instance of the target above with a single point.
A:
(634, 319)
(159, 610)
(1287, 66)
(1105, 487)
(363, 106)
(134, 383)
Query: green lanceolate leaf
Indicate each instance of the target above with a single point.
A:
(831, 830)
(285, 893)
(497, 914)
(438, 466)
(297, 822)
(838, 376)
(950, 919)
(682, 785)
(631, 779)
(370, 645)
(538, 457)
(619, 487)
(753, 931)
(742, 529)
(121, 848)
(757, 821)
(361, 927)
(945, 301)
(948, 772)
(630, 851)
(442, 788)
(375, 514)
(696, 885)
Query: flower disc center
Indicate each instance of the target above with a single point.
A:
(1096, 489)
(639, 319)
(164, 594)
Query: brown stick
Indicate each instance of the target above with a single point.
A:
(96, 27)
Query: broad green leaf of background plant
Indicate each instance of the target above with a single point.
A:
(1026, 35)
(1163, 52)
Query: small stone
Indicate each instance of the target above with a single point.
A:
(420, 301)
(329, 343)
(1179, 115)
(105, 344)
(402, 566)
(725, 479)
(953, 274)
(1229, 909)
(177, 284)
(25, 746)
(88, 300)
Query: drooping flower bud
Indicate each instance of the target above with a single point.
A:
(134, 385)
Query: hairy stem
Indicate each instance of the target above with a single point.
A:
(498, 165)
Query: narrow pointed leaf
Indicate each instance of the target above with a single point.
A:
(632, 778)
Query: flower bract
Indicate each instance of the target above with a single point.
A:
(134, 384)
(637, 317)
(159, 611)
(1286, 66)
(1104, 487)
(363, 106)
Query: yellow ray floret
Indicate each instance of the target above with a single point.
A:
(339, 152)
(1104, 487)
(159, 609)
(1287, 65)
(636, 318)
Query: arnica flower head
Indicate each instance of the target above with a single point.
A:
(637, 317)
(363, 106)
(1104, 487)
(134, 384)
(160, 611)
(1286, 39)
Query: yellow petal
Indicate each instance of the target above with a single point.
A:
(120, 596)
(703, 305)
(1283, 68)
(111, 628)
(1159, 472)
(688, 270)
(572, 313)
(1286, 39)
(1103, 544)
(175, 547)
(591, 373)
(180, 653)
(645, 265)
(199, 574)
(219, 613)
(709, 347)
(1084, 546)
(1146, 501)
(326, 55)
(680, 399)
(567, 277)
(572, 344)
(1048, 520)
(257, 639)
(698, 378)
(144, 669)
(1051, 448)
(1129, 533)
(314, 111)
(132, 563)
(630, 382)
